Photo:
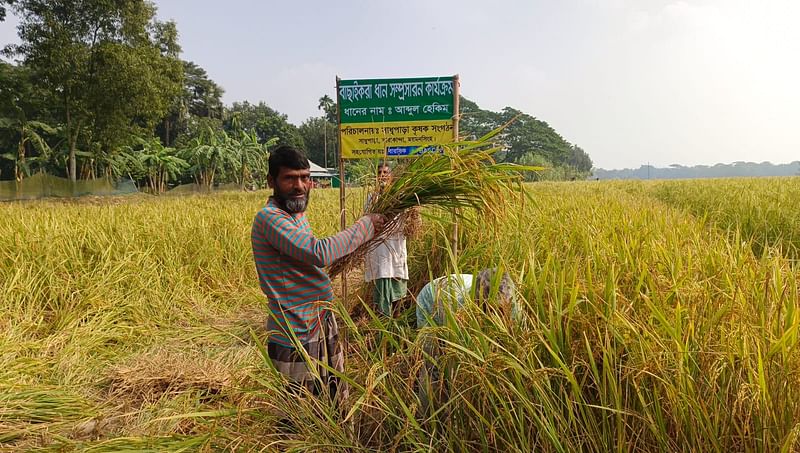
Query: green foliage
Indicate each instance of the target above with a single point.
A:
(266, 122)
(31, 135)
(136, 92)
(238, 156)
(158, 163)
(254, 156)
(22, 126)
(328, 105)
(536, 160)
(523, 136)
(19, 97)
(319, 135)
(201, 95)
(107, 67)
(359, 171)
(210, 154)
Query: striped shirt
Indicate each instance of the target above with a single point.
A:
(290, 261)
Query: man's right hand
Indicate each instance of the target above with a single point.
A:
(378, 221)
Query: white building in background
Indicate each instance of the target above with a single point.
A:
(319, 172)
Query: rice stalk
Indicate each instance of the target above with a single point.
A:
(465, 176)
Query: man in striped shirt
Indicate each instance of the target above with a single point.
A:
(290, 260)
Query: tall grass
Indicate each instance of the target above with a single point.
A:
(139, 325)
(760, 211)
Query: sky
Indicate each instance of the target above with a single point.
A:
(631, 82)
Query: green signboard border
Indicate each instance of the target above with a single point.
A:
(399, 99)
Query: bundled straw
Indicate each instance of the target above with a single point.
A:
(464, 176)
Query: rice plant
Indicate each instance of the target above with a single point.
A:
(648, 325)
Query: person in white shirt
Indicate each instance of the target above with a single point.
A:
(386, 266)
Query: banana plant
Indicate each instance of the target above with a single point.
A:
(254, 155)
(30, 137)
(210, 154)
(159, 163)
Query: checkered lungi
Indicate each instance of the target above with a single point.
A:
(323, 347)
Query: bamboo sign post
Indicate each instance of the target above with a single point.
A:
(456, 115)
(393, 118)
(342, 210)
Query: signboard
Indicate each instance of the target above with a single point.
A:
(395, 117)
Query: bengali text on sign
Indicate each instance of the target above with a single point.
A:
(395, 139)
(395, 117)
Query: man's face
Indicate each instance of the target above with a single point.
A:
(384, 176)
(291, 188)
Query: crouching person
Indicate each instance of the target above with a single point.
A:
(446, 296)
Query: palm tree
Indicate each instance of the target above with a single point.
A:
(327, 105)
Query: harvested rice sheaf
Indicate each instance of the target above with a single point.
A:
(464, 177)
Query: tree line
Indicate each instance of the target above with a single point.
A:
(675, 171)
(97, 88)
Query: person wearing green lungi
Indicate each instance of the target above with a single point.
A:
(385, 266)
